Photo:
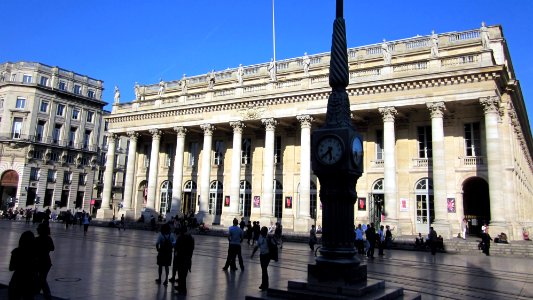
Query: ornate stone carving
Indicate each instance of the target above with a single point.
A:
(208, 129)
(156, 133)
(252, 112)
(181, 131)
(305, 121)
(133, 135)
(388, 113)
(436, 109)
(270, 123)
(490, 104)
(238, 126)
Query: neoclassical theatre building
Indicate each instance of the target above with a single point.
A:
(446, 137)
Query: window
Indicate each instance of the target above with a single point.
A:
(37, 154)
(17, 128)
(169, 154)
(166, 198)
(90, 115)
(21, 102)
(62, 85)
(424, 142)
(82, 180)
(215, 198)
(54, 156)
(245, 198)
(278, 199)
(75, 114)
(44, 106)
(90, 94)
(77, 89)
(51, 176)
(104, 142)
(13, 77)
(313, 201)
(193, 152)
(67, 177)
(379, 144)
(70, 159)
(39, 132)
(277, 150)
(56, 134)
(34, 174)
(106, 125)
(72, 136)
(219, 153)
(60, 109)
(87, 139)
(84, 161)
(26, 78)
(101, 176)
(44, 81)
(472, 139)
(246, 151)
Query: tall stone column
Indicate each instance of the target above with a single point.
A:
(153, 168)
(130, 170)
(235, 169)
(389, 153)
(205, 172)
(268, 171)
(441, 224)
(177, 176)
(491, 106)
(105, 211)
(303, 221)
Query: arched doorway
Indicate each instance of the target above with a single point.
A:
(142, 196)
(376, 203)
(245, 198)
(165, 198)
(278, 199)
(8, 189)
(189, 196)
(476, 203)
(215, 201)
(425, 209)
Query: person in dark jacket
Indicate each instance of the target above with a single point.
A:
(371, 238)
(24, 282)
(44, 244)
(183, 258)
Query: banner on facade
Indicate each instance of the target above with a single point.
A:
(257, 201)
(451, 205)
(288, 202)
(361, 203)
(404, 204)
(226, 201)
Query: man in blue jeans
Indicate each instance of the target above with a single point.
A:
(235, 237)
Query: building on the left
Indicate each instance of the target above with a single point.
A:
(51, 129)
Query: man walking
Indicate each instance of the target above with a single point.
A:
(183, 258)
(235, 237)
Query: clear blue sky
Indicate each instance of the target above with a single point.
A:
(124, 41)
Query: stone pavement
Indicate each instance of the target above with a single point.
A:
(112, 264)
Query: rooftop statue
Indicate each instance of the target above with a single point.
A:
(306, 62)
(162, 87)
(484, 35)
(386, 53)
(434, 44)
(272, 69)
(117, 95)
(240, 74)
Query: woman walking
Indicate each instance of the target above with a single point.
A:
(44, 244)
(264, 257)
(164, 245)
(23, 284)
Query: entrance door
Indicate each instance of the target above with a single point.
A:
(189, 197)
(79, 199)
(476, 203)
(8, 188)
(48, 195)
(32, 193)
(376, 208)
(424, 205)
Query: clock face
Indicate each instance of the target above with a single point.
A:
(330, 150)
(357, 151)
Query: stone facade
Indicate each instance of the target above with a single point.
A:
(442, 117)
(50, 131)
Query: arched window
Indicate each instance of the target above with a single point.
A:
(189, 197)
(376, 203)
(377, 188)
(245, 198)
(425, 213)
(165, 198)
(215, 198)
(278, 199)
(313, 198)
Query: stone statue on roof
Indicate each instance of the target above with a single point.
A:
(240, 74)
(117, 95)
(272, 69)
(484, 35)
(306, 62)
(386, 53)
(434, 44)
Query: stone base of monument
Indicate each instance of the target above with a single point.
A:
(337, 281)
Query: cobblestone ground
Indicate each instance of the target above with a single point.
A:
(112, 264)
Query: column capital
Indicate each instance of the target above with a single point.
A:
(490, 104)
(156, 133)
(305, 120)
(388, 113)
(238, 126)
(181, 131)
(133, 135)
(208, 129)
(111, 137)
(270, 123)
(436, 109)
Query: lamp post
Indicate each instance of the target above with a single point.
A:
(337, 160)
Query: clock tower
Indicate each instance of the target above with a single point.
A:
(337, 160)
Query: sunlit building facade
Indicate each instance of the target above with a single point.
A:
(446, 137)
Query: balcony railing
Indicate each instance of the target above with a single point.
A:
(421, 162)
(472, 160)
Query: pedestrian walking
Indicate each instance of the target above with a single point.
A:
(24, 282)
(371, 238)
(464, 227)
(249, 231)
(485, 240)
(86, 222)
(432, 240)
(278, 235)
(256, 232)
(164, 245)
(381, 240)
(235, 237)
(264, 257)
(183, 258)
(44, 245)
(359, 243)
(122, 223)
(312, 238)
(388, 237)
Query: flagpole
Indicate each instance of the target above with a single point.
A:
(273, 32)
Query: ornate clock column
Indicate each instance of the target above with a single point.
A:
(337, 160)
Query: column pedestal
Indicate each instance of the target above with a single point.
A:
(104, 214)
(303, 224)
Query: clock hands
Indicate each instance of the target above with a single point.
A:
(327, 153)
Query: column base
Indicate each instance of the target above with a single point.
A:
(443, 228)
(104, 213)
(338, 271)
(227, 220)
(303, 224)
(266, 220)
(129, 215)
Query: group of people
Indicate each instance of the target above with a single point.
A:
(30, 263)
(367, 238)
(176, 249)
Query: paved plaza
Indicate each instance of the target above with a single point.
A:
(112, 264)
